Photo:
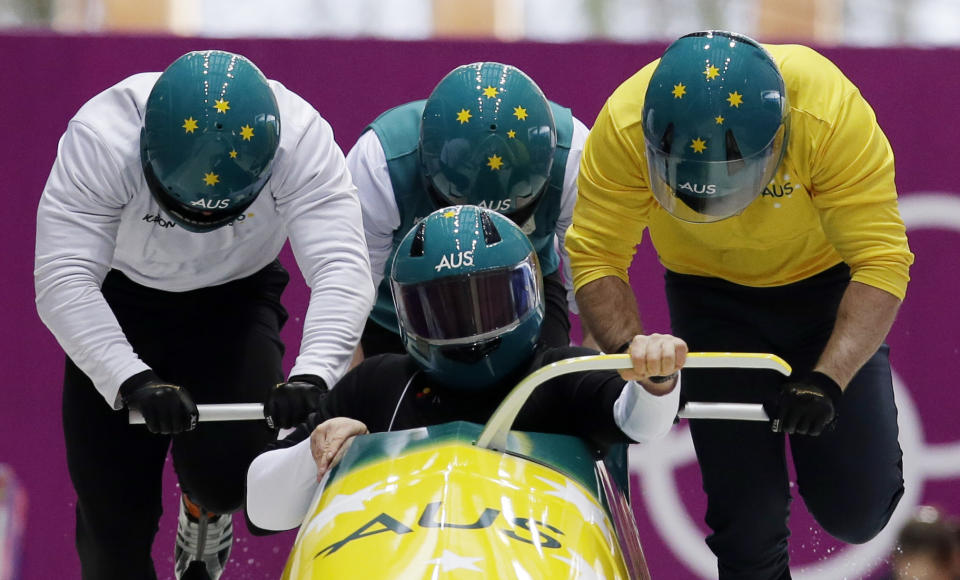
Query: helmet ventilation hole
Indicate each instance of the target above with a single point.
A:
(491, 235)
(416, 248)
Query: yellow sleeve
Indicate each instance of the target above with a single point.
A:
(854, 191)
(613, 201)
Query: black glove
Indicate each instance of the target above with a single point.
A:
(808, 406)
(166, 408)
(289, 403)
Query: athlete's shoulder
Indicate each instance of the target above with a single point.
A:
(625, 105)
(815, 85)
(801, 64)
(294, 109)
(405, 111)
(388, 367)
(794, 58)
(557, 107)
(114, 118)
(124, 101)
(398, 129)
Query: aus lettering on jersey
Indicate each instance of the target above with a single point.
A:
(774, 190)
(211, 203)
(458, 260)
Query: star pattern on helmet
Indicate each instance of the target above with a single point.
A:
(511, 134)
(450, 213)
(211, 178)
(189, 125)
(735, 99)
(491, 92)
(221, 106)
(463, 115)
(698, 145)
(719, 119)
(233, 154)
(246, 132)
(495, 162)
(711, 72)
(679, 90)
(520, 113)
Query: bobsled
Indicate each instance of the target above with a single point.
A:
(463, 500)
(431, 503)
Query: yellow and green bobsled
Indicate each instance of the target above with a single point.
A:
(429, 503)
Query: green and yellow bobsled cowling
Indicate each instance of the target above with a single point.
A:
(429, 503)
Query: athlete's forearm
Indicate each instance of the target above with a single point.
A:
(863, 321)
(608, 310)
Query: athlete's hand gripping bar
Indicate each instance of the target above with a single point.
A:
(221, 412)
(494, 435)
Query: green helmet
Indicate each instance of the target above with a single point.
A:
(487, 138)
(715, 122)
(468, 291)
(210, 133)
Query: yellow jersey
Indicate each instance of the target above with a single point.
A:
(833, 198)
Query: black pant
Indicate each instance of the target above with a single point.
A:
(222, 345)
(850, 478)
(554, 332)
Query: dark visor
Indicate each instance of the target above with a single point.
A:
(466, 308)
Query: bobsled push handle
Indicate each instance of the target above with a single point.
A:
(494, 435)
(221, 412)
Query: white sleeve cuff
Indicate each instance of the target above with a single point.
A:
(280, 487)
(643, 416)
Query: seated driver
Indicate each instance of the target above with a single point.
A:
(469, 295)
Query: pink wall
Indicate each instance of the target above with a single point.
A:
(47, 78)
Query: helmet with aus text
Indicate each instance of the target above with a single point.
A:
(210, 134)
(488, 138)
(715, 123)
(468, 291)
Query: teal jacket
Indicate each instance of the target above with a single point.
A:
(398, 131)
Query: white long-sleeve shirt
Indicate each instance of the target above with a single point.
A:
(96, 214)
(381, 216)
